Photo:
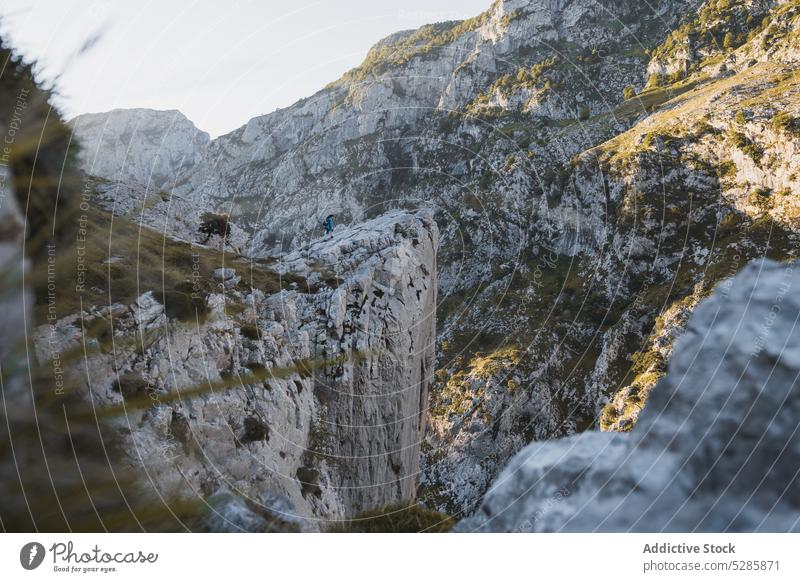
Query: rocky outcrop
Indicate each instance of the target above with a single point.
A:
(155, 149)
(626, 241)
(716, 448)
(309, 403)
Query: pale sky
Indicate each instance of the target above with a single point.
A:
(220, 62)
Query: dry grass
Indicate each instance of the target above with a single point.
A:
(403, 517)
(124, 260)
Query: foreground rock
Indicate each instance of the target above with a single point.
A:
(716, 449)
(337, 434)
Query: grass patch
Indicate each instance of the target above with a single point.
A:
(407, 517)
(783, 122)
(651, 99)
(115, 260)
(250, 331)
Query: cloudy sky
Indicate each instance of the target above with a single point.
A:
(220, 62)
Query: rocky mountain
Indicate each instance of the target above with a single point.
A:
(716, 449)
(145, 147)
(596, 169)
(298, 406)
(418, 119)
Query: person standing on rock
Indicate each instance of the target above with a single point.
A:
(329, 224)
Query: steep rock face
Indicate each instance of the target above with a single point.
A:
(141, 146)
(479, 119)
(716, 448)
(705, 184)
(312, 401)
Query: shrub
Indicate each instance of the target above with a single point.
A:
(448, 123)
(400, 517)
(784, 122)
(728, 41)
(254, 430)
(761, 199)
(744, 143)
(183, 306)
(214, 224)
(472, 201)
(728, 169)
(676, 76)
(486, 180)
(250, 331)
(654, 80)
(309, 481)
(754, 151)
(629, 92)
(728, 223)
(584, 113)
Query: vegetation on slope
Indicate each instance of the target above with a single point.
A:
(114, 260)
(719, 27)
(390, 55)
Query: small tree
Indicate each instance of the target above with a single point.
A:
(584, 113)
(728, 41)
(784, 122)
(212, 224)
(629, 92)
(654, 80)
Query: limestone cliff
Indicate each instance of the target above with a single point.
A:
(308, 403)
